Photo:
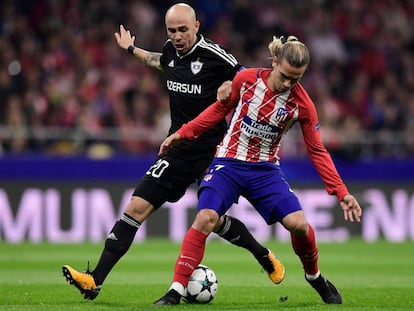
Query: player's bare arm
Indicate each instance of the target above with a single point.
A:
(352, 209)
(152, 59)
(125, 40)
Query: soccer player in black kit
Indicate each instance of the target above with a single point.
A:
(194, 69)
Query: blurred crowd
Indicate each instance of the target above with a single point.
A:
(66, 87)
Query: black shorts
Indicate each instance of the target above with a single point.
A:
(170, 176)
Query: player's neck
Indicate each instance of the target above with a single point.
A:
(271, 82)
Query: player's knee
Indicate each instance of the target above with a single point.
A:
(139, 209)
(301, 228)
(296, 223)
(206, 220)
(221, 224)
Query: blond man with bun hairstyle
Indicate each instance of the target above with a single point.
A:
(266, 103)
(291, 49)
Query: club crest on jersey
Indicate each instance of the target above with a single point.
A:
(208, 177)
(196, 66)
(282, 114)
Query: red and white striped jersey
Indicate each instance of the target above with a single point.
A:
(260, 119)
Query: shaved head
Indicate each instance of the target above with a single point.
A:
(182, 27)
(181, 10)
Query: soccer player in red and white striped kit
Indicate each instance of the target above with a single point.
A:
(266, 103)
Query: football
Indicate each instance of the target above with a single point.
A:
(202, 287)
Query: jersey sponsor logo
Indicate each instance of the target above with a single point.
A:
(184, 88)
(259, 129)
(196, 67)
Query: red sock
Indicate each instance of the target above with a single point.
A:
(305, 248)
(192, 252)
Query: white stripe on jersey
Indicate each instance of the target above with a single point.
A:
(216, 49)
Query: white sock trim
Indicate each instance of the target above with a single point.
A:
(130, 221)
(311, 277)
(178, 287)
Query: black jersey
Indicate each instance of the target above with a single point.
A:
(192, 81)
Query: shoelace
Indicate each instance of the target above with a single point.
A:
(88, 271)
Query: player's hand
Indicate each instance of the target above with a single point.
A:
(168, 143)
(224, 91)
(351, 208)
(124, 38)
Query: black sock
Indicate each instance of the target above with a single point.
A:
(234, 231)
(117, 244)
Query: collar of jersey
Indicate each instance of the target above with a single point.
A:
(200, 38)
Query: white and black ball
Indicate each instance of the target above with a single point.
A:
(202, 286)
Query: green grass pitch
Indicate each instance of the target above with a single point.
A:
(370, 276)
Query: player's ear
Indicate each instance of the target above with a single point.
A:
(197, 25)
(274, 61)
